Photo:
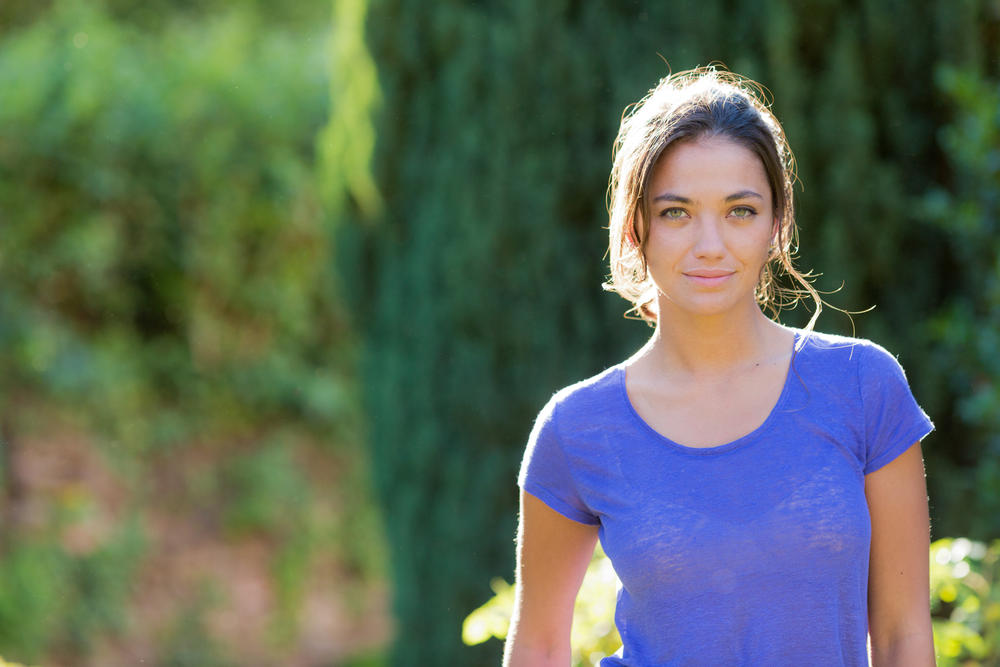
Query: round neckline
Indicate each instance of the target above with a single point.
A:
(797, 344)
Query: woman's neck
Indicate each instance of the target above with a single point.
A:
(714, 346)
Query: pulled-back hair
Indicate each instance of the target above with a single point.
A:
(686, 106)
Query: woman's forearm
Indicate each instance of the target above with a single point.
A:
(520, 654)
(912, 650)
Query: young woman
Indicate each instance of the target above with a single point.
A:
(759, 489)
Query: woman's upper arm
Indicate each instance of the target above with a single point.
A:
(898, 595)
(552, 557)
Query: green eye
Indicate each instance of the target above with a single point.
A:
(743, 212)
(673, 213)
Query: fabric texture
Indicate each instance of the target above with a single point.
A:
(754, 552)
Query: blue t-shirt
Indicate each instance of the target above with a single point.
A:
(754, 552)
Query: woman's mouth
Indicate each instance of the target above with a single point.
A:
(708, 277)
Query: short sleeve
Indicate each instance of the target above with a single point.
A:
(893, 419)
(546, 473)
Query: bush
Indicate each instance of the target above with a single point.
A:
(166, 273)
(965, 602)
(167, 250)
(963, 332)
(51, 598)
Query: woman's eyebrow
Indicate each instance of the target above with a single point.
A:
(743, 194)
(669, 196)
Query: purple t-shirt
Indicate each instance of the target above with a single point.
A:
(754, 552)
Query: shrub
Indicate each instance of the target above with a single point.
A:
(965, 602)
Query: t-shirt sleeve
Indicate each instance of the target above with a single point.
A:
(893, 419)
(545, 470)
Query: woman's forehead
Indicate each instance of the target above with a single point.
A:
(708, 165)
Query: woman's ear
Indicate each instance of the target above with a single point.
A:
(774, 250)
(633, 232)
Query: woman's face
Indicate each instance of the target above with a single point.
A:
(712, 223)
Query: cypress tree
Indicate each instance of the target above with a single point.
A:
(492, 162)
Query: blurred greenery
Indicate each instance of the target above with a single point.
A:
(965, 329)
(169, 246)
(188, 642)
(4, 663)
(50, 598)
(965, 602)
(168, 288)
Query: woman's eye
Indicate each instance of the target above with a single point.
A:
(673, 213)
(743, 212)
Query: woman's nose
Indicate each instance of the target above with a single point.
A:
(709, 241)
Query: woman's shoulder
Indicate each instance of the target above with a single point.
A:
(839, 348)
(588, 397)
(847, 358)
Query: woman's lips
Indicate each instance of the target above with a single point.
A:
(708, 277)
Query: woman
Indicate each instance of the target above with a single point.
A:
(759, 489)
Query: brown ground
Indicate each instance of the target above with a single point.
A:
(189, 564)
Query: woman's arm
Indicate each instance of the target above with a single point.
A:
(552, 556)
(899, 619)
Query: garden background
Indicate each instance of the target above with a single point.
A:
(283, 286)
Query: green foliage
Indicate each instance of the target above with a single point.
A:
(98, 585)
(4, 663)
(289, 572)
(166, 272)
(169, 247)
(372, 660)
(188, 643)
(347, 142)
(50, 597)
(965, 602)
(32, 578)
(270, 494)
(152, 14)
(965, 329)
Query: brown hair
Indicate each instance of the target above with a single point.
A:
(702, 102)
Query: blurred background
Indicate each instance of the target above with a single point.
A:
(283, 286)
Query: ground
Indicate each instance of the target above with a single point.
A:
(197, 582)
